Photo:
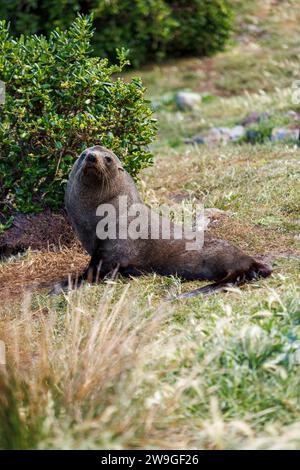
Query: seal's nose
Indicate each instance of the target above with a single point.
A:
(91, 157)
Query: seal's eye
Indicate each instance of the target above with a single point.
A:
(108, 159)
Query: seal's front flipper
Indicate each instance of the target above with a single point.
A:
(66, 285)
(91, 274)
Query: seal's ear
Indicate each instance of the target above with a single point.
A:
(119, 165)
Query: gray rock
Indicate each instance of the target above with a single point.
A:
(186, 100)
(222, 130)
(237, 132)
(254, 29)
(283, 133)
(213, 136)
(225, 134)
(293, 115)
(196, 140)
(254, 117)
(218, 135)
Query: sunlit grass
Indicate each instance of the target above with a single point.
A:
(109, 367)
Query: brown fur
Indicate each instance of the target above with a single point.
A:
(103, 181)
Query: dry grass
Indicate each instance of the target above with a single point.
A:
(96, 368)
(112, 370)
(39, 270)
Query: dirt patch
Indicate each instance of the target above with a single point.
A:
(54, 253)
(40, 270)
(42, 232)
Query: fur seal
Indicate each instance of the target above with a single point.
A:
(98, 178)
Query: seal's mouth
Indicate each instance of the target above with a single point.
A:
(90, 167)
(92, 173)
(89, 161)
(94, 166)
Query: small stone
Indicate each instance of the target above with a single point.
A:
(254, 117)
(218, 131)
(237, 132)
(218, 134)
(293, 115)
(186, 100)
(283, 133)
(196, 140)
(254, 29)
(213, 136)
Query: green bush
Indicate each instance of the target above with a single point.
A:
(203, 26)
(40, 16)
(150, 29)
(142, 26)
(59, 100)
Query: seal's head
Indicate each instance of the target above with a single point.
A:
(97, 162)
(98, 165)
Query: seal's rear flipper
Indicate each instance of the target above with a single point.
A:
(261, 269)
(205, 290)
(256, 270)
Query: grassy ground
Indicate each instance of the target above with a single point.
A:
(115, 366)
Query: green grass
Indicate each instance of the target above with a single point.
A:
(115, 365)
